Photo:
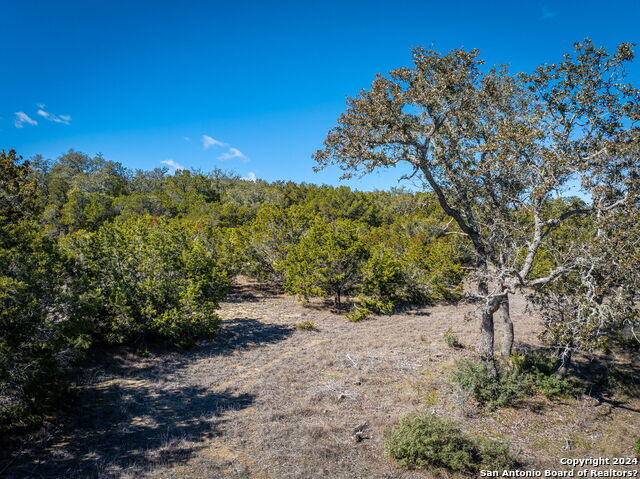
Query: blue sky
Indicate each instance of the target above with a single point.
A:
(247, 86)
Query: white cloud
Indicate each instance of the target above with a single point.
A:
(22, 118)
(251, 176)
(174, 165)
(208, 142)
(233, 153)
(64, 119)
(548, 14)
(230, 154)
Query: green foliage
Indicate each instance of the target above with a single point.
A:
(91, 251)
(427, 440)
(475, 378)
(622, 379)
(451, 339)
(539, 369)
(332, 204)
(154, 278)
(434, 271)
(18, 189)
(636, 447)
(382, 274)
(306, 326)
(268, 238)
(528, 374)
(495, 455)
(42, 331)
(430, 441)
(497, 164)
(326, 261)
(366, 307)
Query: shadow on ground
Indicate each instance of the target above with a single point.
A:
(127, 427)
(129, 417)
(252, 292)
(244, 333)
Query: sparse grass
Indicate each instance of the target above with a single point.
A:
(431, 398)
(578, 442)
(539, 442)
(306, 326)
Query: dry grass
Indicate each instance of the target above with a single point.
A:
(265, 400)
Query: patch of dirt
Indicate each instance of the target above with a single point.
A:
(264, 400)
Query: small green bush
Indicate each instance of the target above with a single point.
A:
(358, 314)
(495, 455)
(528, 374)
(326, 261)
(622, 380)
(636, 447)
(451, 339)
(538, 368)
(474, 377)
(427, 440)
(306, 326)
(367, 307)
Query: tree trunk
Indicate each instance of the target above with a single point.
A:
(487, 334)
(565, 362)
(487, 339)
(507, 335)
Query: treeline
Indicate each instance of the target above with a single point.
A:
(93, 253)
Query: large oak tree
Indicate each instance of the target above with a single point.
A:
(499, 150)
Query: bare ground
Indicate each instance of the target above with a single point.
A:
(265, 400)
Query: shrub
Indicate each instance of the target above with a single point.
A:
(267, 239)
(366, 307)
(495, 455)
(358, 314)
(154, 278)
(539, 369)
(622, 380)
(427, 440)
(43, 330)
(306, 326)
(475, 378)
(430, 441)
(451, 339)
(327, 260)
(636, 447)
(382, 275)
(42, 326)
(528, 374)
(433, 271)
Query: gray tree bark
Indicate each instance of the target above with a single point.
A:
(565, 361)
(507, 335)
(487, 333)
(487, 339)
